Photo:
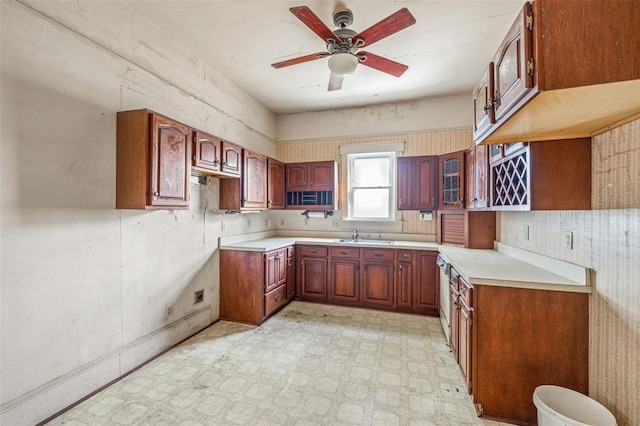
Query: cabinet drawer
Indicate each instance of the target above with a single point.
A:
(465, 289)
(378, 254)
(291, 251)
(313, 251)
(404, 255)
(345, 252)
(275, 299)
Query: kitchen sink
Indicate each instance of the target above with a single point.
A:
(363, 241)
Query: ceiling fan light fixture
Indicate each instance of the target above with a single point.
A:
(343, 64)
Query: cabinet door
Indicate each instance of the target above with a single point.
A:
(344, 280)
(231, 159)
(254, 181)
(291, 274)
(427, 292)
(512, 79)
(377, 283)
(426, 169)
(296, 176)
(270, 271)
(454, 318)
(206, 152)
(170, 163)
(451, 182)
(321, 176)
(483, 113)
(312, 278)
(404, 285)
(275, 183)
(405, 188)
(465, 322)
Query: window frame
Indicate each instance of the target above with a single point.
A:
(391, 156)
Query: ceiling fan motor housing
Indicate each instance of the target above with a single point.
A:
(343, 18)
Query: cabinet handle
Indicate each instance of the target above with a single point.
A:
(277, 297)
(216, 161)
(400, 270)
(302, 263)
(405, 255)
(313, 250)
(345, 252)
(378, 254)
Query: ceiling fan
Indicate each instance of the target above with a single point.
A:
(344, 44)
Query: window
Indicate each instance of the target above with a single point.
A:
(371, 183)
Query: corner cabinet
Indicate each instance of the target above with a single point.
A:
(253, 284)
(153, 161)
(249, 192)
(417, 179)
(312, 185)
(532, 91)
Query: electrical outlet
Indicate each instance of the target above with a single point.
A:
(335, 223)
(169, 310)
(306, 222)
(198, 296)
(525, 232)
(248, 223)
(268, 223)
(223, 225)
(283, 222)
(568, 239)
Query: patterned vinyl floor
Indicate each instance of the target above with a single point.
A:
(310, 364)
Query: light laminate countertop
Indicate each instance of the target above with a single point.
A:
(507, 266)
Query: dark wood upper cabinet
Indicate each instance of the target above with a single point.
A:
(254, 193)
(483, 111)
(249, 192)
(513, 66)
(215, 156)
(153, 161)
(477, 176)
(312, 185)
(548, 175)
(231, 163)
(275, 184)
(417, 183)
(555, 80)
(206, 152)
(451, 185)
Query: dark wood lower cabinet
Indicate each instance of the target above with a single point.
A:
(390, 279)
(253, 284)
(507, 341)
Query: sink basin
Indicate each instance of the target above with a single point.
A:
(363, 241)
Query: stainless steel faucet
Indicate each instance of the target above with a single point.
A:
(355, 234)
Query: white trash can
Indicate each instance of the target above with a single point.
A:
(558, 406)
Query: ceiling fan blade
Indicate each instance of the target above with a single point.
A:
(390, 25)
(394, 68)
(335, 82)
(299, 60)
(310, 19)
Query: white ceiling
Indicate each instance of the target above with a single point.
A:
(447, 50)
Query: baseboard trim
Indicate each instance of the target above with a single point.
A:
(30, 407)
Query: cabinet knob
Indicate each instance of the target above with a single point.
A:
(313, 250)
(277, 297)
(155, 194)
(487, 108)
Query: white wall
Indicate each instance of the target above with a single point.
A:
(84, 286)
(427, 114)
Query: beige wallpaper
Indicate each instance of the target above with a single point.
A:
(606, 239)
(428, 143)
